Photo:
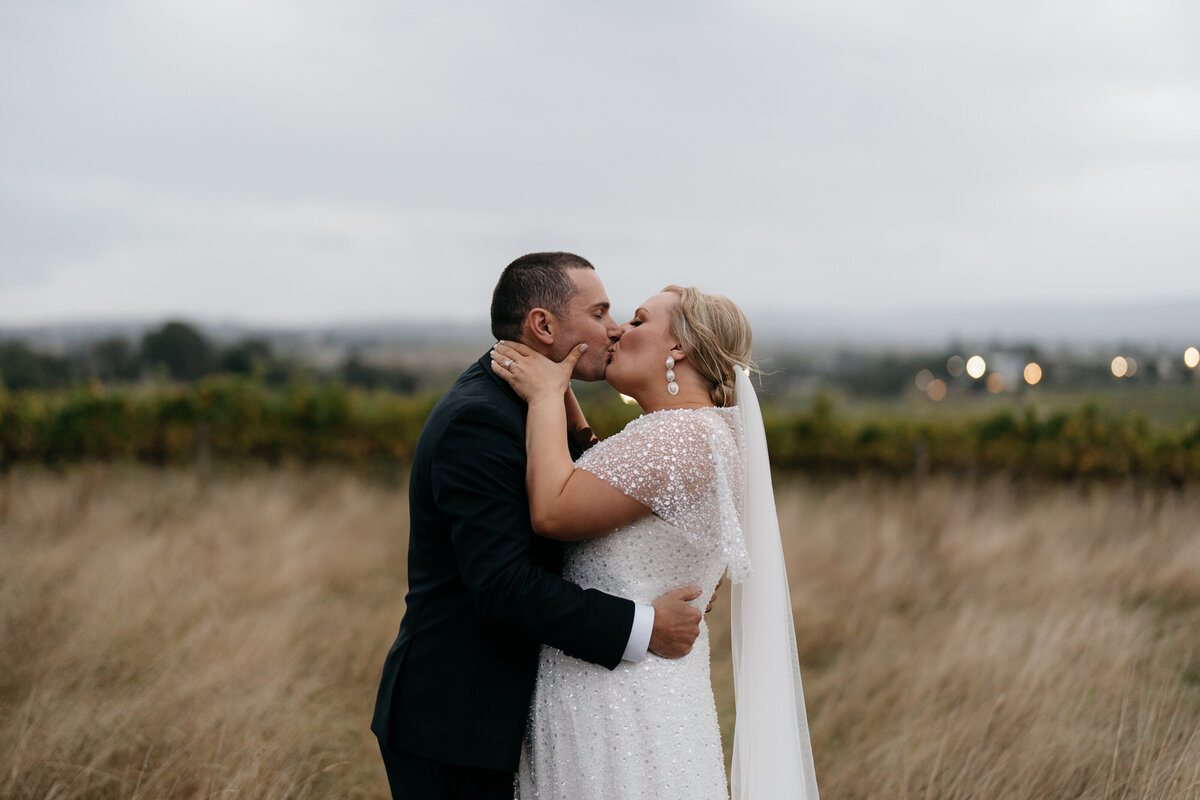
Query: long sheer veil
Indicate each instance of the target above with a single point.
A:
(772, 755)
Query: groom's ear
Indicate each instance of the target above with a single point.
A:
(542, 326)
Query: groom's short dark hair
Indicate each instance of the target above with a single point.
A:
(537, 280)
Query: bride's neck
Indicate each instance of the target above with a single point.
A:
(671, 402)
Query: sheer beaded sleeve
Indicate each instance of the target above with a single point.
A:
(686, 465)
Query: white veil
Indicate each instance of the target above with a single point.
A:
(772, 756)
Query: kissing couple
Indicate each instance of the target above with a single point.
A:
(553, 640)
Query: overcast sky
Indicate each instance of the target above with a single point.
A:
(305, 162)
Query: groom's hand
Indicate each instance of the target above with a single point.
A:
(676, 623)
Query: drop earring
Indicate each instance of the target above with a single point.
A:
(672, 386)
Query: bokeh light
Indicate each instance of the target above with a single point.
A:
(1191, 357)
(627, 400)
(955, 366)
(1119, 366)
(995, 383)
(1130, 366)
(976, 366)
(1033, 373)
(936, 390)
(924, 377)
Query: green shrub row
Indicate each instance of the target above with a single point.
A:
(230, 418)
(221, 417)
(1083, 443)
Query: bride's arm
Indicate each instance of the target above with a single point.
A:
(565, 503)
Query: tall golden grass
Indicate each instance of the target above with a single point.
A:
(172, 635)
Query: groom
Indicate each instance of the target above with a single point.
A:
(484, 592)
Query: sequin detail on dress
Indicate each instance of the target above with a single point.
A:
(645, 730)
(686, 466)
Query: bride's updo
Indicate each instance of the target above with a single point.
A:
(716, 337)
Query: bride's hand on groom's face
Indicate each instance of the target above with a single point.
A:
(532, 375)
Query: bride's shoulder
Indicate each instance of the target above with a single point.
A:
(663, 418)
(679, 425)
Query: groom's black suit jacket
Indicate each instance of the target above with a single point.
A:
(483, 590)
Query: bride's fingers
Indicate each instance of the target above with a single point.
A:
(572, 357)
(499, 368)
(524, 350)
(504, 368)
(506, 349)
(514, 350)
(509, 357)
(506, 354)
(506, 357)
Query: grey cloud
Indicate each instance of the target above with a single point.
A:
(832, 155)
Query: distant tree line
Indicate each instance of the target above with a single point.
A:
(180, 352)
(884, 373)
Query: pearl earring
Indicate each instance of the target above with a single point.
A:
(672, 386)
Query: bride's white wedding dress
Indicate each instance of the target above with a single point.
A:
(645, 730)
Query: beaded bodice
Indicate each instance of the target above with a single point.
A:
(686, 466)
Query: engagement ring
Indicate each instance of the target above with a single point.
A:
(508, 363)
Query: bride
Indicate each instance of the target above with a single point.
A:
(680, 496)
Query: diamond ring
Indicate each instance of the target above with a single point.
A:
(508, 363)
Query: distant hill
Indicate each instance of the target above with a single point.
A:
(1171, 323)
(424, 335)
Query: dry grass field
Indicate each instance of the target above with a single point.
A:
(167, 635)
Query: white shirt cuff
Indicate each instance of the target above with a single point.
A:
(639, 634)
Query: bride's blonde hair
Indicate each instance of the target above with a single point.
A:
(715, 336)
